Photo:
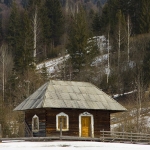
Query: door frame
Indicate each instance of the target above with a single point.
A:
(92, 123)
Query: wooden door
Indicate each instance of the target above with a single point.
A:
(85, 126)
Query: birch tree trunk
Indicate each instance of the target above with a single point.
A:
(35, 26)
(7, 62)
(67, 7)
(119, 43)
(128, 36)
(108, 65)
(3, 57)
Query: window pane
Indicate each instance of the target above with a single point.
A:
(59, 120)
(62, 119)
(35, 124)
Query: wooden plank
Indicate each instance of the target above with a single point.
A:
(68, 138)
(85, 126)
(48, 116)
(124, 136)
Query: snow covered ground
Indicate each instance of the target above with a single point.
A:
(69, 145)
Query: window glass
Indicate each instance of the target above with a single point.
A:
(35, 123)
(62, 118)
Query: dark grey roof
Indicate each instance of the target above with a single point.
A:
(70, 94)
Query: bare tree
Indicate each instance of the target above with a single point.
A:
(120, 34)
(6, 61)
(128, 36)
(108, 64)
(36, 30)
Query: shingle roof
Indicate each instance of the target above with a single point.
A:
(70, 94)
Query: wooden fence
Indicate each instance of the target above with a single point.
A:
(108, 136)
(105, 136)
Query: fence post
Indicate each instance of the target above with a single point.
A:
(0, 133)
(131, 136)
(103, 135)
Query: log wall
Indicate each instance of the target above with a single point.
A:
(47, 119)
(42, 124)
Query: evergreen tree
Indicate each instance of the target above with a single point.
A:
(34, 9)
(96, 25)
(46, 28)
(46, 31)
(19, 39)
(8, 2)
(130, 8)
(25, 60)
(1, 30)
(80, 46)
(146, 65)
(144, 19)
(55, 18)
(13, 34)
(24, 3)
(104, 20)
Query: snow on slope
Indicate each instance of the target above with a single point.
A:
(53, 64)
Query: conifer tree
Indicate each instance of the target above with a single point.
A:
(8, 2)
(80, 46)
(25, 61)
(19, 39)
(13, 28)
(45, 31)
(1, 30)
(146, 65)
(96, 25)
(55, 18)
(144, 19)
(34, 10)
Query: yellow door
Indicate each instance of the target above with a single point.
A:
(85, 126)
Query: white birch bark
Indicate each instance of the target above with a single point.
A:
(128, 36)
(6, 61)
(108, 65)
(35, 25)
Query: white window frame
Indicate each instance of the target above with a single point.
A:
(92, 123)
(33, 125)
(62, 114)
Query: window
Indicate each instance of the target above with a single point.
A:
(63, 119)
(35, 123)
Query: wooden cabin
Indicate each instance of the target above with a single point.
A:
(77, 108)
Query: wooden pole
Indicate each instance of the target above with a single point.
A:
(0, 133)
(60, 130)
(131, 136)
(103, 135)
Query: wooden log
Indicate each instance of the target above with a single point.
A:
(60, 130)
